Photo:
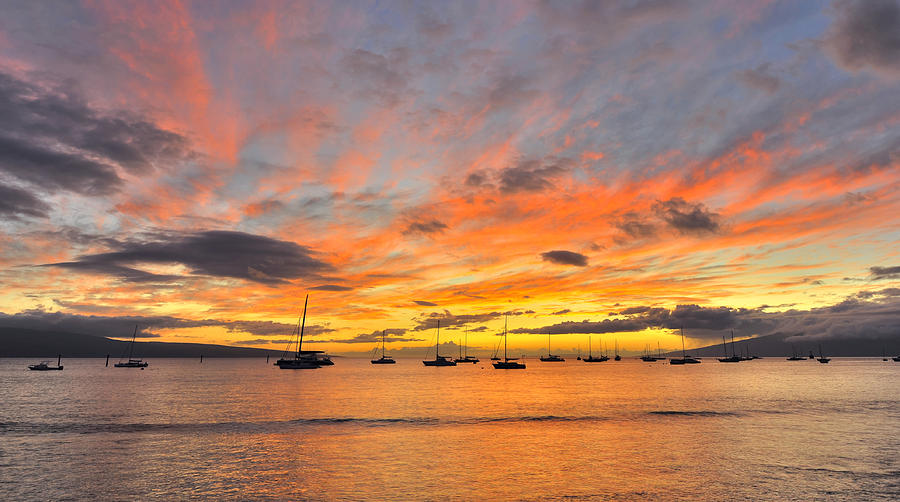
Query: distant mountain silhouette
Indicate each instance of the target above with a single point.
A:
(19, 342)
(782, 344)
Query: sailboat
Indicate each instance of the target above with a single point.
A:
(618, 357)
(507, 363)
(590, 358)
(795, 356)
(734, 357)
(383, 359)
(132, 362)
(45, 365)
(494, 356)
(811, 355)
(550, 358)
(684, 357)
(822, 359)
(302, 359)
(467, 358)
(649, 357)
(439, 360)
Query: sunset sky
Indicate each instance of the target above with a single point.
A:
(618, 169)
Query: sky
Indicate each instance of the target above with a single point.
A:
(612, 169)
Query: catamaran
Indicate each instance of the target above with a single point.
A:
(684, 357)
(383, 359)
(439, 360)
(508, 363)
(302, 359)
(132, 362)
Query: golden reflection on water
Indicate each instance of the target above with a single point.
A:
(624, 430)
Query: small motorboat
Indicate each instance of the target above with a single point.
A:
(45, 365)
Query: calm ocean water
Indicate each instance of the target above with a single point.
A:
(241, 429)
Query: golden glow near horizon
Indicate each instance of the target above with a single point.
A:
(199, 170)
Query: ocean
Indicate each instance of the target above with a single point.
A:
(241, 429)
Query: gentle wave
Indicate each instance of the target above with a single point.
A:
(269, 426)
(698, 413)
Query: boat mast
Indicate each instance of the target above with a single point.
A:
(437, 344)
(505, 356)
(131, 347)
(302, 325)
(683, 354)
(383, 334)
(467, 341)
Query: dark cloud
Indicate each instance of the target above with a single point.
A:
(759, 78)
(332, 287)
(15, 202)
(866, 33)
(533, 175)
(561, 312)
(635, 226)
(50, 137)
(874, 315)
(885, 272)
(392, 335)
(123, 326)
(424, 227)
(212, 253)
(424, 303)
(685, 217)
(565, 258)
(448, 320)
(476, 179)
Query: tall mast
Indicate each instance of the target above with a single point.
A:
(505, 321)
(467, 341)
(131, 347)
(437, 344)
(302, 325)
(383, 334)
(732, 344)
(683, 354)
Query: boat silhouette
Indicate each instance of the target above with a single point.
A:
(439, 360)
(383, 359)
(302, 359)
(507, 363)
(684, 357)
(132, 362)
(45, 365)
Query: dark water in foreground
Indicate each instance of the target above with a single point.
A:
(239, 429)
